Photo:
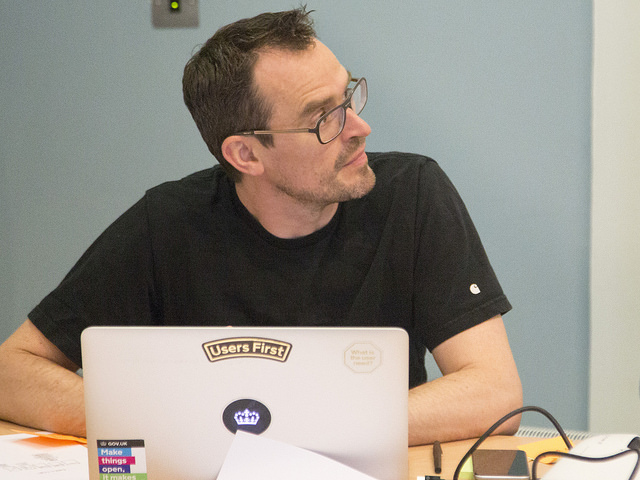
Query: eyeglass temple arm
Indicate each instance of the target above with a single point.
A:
(268, 132)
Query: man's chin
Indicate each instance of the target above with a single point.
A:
(365, 182)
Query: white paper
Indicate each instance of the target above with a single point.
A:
(25, 456)
(597, 447)
(253, 456)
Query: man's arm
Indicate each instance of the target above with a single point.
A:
(480, 384)
(39, 385)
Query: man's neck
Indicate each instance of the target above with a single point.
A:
(284, 216)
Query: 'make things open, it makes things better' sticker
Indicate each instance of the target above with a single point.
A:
(122, 460)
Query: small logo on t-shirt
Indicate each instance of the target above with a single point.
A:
(474, 289)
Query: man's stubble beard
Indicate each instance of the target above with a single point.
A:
(330, 189)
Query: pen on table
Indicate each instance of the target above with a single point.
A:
(437, 456)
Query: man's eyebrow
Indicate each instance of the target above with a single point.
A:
(312, 107)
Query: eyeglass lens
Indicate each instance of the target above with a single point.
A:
(332, 125)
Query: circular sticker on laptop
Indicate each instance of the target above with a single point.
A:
(248, 415)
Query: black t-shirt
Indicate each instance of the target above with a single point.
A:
(189, 253)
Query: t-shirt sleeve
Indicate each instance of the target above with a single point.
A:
(111, 284)
(455, 286)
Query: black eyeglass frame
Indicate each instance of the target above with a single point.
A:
(344, 105)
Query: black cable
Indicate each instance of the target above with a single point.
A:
(534, 467)
(491, 429)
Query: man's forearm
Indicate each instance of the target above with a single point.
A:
(40, 394)
(460, 405)
(480, 384)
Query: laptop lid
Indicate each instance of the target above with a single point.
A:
(164, 402)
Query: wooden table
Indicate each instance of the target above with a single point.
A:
(420, 458)
(7, 428)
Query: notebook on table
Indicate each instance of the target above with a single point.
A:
(165, 402)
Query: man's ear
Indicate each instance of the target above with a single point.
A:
(238, 150)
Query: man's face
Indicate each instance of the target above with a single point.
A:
(301, 86)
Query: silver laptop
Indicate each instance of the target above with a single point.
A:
(164, 403)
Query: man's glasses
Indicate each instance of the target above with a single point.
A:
(331, 124)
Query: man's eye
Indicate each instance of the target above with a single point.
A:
(319, 114)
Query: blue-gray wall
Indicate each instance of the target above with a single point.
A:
(497, 91)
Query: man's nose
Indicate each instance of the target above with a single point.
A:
(355, 126)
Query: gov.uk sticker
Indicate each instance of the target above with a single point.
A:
(122, 460)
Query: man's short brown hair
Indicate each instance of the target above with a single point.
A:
(218, 85)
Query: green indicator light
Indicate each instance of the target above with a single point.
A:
(175, 5)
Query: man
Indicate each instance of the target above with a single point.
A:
(296, 226)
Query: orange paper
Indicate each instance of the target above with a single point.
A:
(56, 436)
(534, 449)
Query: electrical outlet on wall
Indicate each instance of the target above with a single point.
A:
(174, 13)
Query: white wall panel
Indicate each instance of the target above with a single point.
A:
(615, 257)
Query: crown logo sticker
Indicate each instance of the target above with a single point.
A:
(246, 414)
(247, 347)
(246, 417)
